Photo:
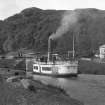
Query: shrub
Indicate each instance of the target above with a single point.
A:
(32, 88)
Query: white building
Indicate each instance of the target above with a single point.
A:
(102, 51)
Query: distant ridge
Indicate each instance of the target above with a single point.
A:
(31, 28)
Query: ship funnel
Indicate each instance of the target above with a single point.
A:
(49, 49)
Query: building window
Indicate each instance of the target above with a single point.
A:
(46, 68)
(36, 67)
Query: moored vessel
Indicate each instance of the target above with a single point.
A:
(56, 68)
(53, 65)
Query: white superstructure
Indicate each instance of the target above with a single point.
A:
(59, 68)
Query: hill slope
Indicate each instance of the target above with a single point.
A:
(31, 29)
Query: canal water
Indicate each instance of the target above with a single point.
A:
(89, 89)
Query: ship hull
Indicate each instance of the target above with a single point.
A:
(57, 70)
(56, 75)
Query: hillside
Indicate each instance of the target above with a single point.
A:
(31, 29)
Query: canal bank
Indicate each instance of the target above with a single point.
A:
(17, 90)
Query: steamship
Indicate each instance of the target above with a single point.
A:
(52, 65)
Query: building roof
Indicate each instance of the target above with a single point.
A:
(102, 46)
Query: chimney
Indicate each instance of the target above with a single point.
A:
(49, 49)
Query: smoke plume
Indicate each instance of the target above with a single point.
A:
(69, 18)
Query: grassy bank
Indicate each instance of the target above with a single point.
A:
(36, 93)
(13, 63)
(91, 67)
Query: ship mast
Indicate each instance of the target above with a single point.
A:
(48, 58)
(73, 47)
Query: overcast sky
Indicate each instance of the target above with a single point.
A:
(10, 7)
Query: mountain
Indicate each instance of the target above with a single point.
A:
(31, 28)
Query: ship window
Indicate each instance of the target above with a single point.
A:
(36, 67)
(46, 68)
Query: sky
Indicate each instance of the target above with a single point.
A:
(11, 7)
